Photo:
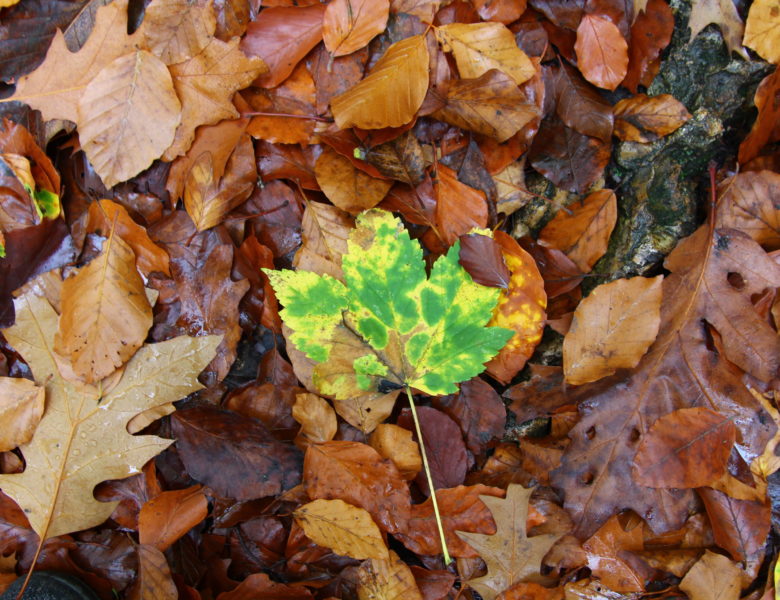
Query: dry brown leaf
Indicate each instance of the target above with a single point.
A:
(345, 529)
(750, 202)
(713, 577)
(459, 207)
(762, 30)
(724, 14)
(602, 52)
(583, 233)
(21, 408)
(396, 443)
(644, 119)
(56, 86)
(391, 93)
(612, 329)
(316, 416)
(205, 84)
(176, 30)
(154, 579)
(324, 231)
(82, 438)
(105, 313)
(348, 25)
(491, 104)
(347, 187)
(479, 47)
(115, 112)
(386, 579)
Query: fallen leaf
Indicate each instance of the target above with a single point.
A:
(345, 529)
(724, 14)
(531, 591)
(602, 52)
(259, 586)
(386, 578)
(765, 128)
(580, 106)
(170, 515)
(503, 11)
(459, 207)
(511, 556)
(345, 186)
(740, 526)
(423, 9)
(583, 232)
(55, 490)
(396, 443)
(762, 30)
(317, 418)
(644, 119)
(713, 577)
(606, 549)
(612, 329)
(21, 408)
(481, 256)
(480, 47)
(750, 202)
(105, 313)
(154, 576)
(324, 230)
(391, 93)
(651, 32)
(401, 159)
(177, 30)
(348, 25)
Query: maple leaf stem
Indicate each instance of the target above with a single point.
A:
(426, 468)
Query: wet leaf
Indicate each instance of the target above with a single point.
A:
(606, 550)
(348, 25)
(481, 256)
(602, 52)
(765, 129)
(345, 186)
(396, 443)
(170, 515)
(580, 106)
(644, 119)
(325, 230)
(154, 576)
(651, 32)
(740, 526)
(21, 408)
(387, 578)
(713, 577)
(750, 202)
(317, 418)
(459, 207)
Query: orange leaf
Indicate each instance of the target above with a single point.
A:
(713, 577)
(348, 188)
(317, 418)
(396, 443)
(348, 25)
(762, 30)
(503, 11)
(644, 119)
(170, 515)
(766, 128)
(459, 208)
(324, 230)
(605, 550)
(391, 93)
(422, 9)
(602, 52)
(651, 32)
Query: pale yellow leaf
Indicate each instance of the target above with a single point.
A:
(396, 443)
(346, 186)
(316, 416)
(324, 232)
(21, 408)
(387, 579)
(128, 115)
(345, 529)
(175, 30)
(762, 30)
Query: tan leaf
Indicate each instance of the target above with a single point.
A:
(751, 203)
(644, 119)
(82, 437)
(56, 86)
(154, 581)
(324, 231)
(583, 233)
(316, 416)
(347, 187)
(713, 577)
(207, 199)
(391, 93)
(423, 9)
(724, 14)
(348, 25)
(345, 529)
(105, 313)
(479, 47)
(176, 30)
(612, 329)
(387, 579)
(21, 408)
(762, 30)
(115, 112)
(491, 104)
(396, 443)
(602, 52)
(205, 85)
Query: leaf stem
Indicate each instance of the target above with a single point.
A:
(426, 468)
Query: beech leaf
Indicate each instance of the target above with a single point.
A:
(387, 578)
(713, 577)
(324, 230)
(602, 52)
(348, 25)
(348, 188)
(644, 119)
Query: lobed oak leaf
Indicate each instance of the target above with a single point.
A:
(713, 577)
(387, 578)
(750, 202)
(177, 30)
(82, 438)
(602, 52)
(348, 25)
(154, 576)
(724, 14)
(345, 529)
(393, 91)
(762, 29)
(644, 119)
(511, 556)
(348, 188)
(21, 409)
(612, 329)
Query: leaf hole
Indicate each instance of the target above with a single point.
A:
(635, 435)
(735, 280)
(591, 432)
(587, 478)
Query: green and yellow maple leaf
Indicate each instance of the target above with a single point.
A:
(389, 323)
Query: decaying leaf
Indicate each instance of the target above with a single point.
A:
(325, 230)
(766, 128)
(387, 578)
(644, 119)
(606, 551)
(459, 207)
(316, 416)
(21, 408)
(350, 189)
(170, 515)
(724, 14)
(81, 439)
(176, 30)
(154, 576)
(750, 202)
(713, 577)
(762, 30)
(396, 443)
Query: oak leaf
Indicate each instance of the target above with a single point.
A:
(387, 578)
(82, 437)
(724, 14)
(391, 94)
(762, 30)
(612, 329)
(511, 556)
(644, 119)
(602, 52)
(176, 30)
(348, 25)
(21, 409)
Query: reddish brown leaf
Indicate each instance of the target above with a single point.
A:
(154, 576)
(650, 33)
(740, 526)
(481, 256)
(750, 202)
(259, 586)
(602, 52)
(766, 127)
(605, 556)
(580, 106)
(167, 517)
(284, 161)
(459, 207)
(334, 76)
(503, 11)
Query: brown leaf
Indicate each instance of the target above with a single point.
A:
(282, 36)
(740, 526)
(423, 9)
(459, 208)
(644, 119)
(766, 127)
(724, 14)
(687, 448)
(348, 188)
(511, 556)
(762, 30)
(479, 47)
(334, 76)
(391, 93)
(177, 30)
(503, 11)
(235, 456)
(396, 443)
(317, 419)
(580, 106)
(154, 576)
(122, 99)
(259, 586)
(462, 509)
(602, 52)
(401, 159)
(605, 551)
(713, 577)
(387, 578)
(170, 515)
(750, 202)
(481, 256)
(583, 233)
(21, 409)
(348, 25)
(345, 529)
(612, 329)
(105, 313)
(357, 474)
(324, 230)
(491, 104)
(651, 32)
